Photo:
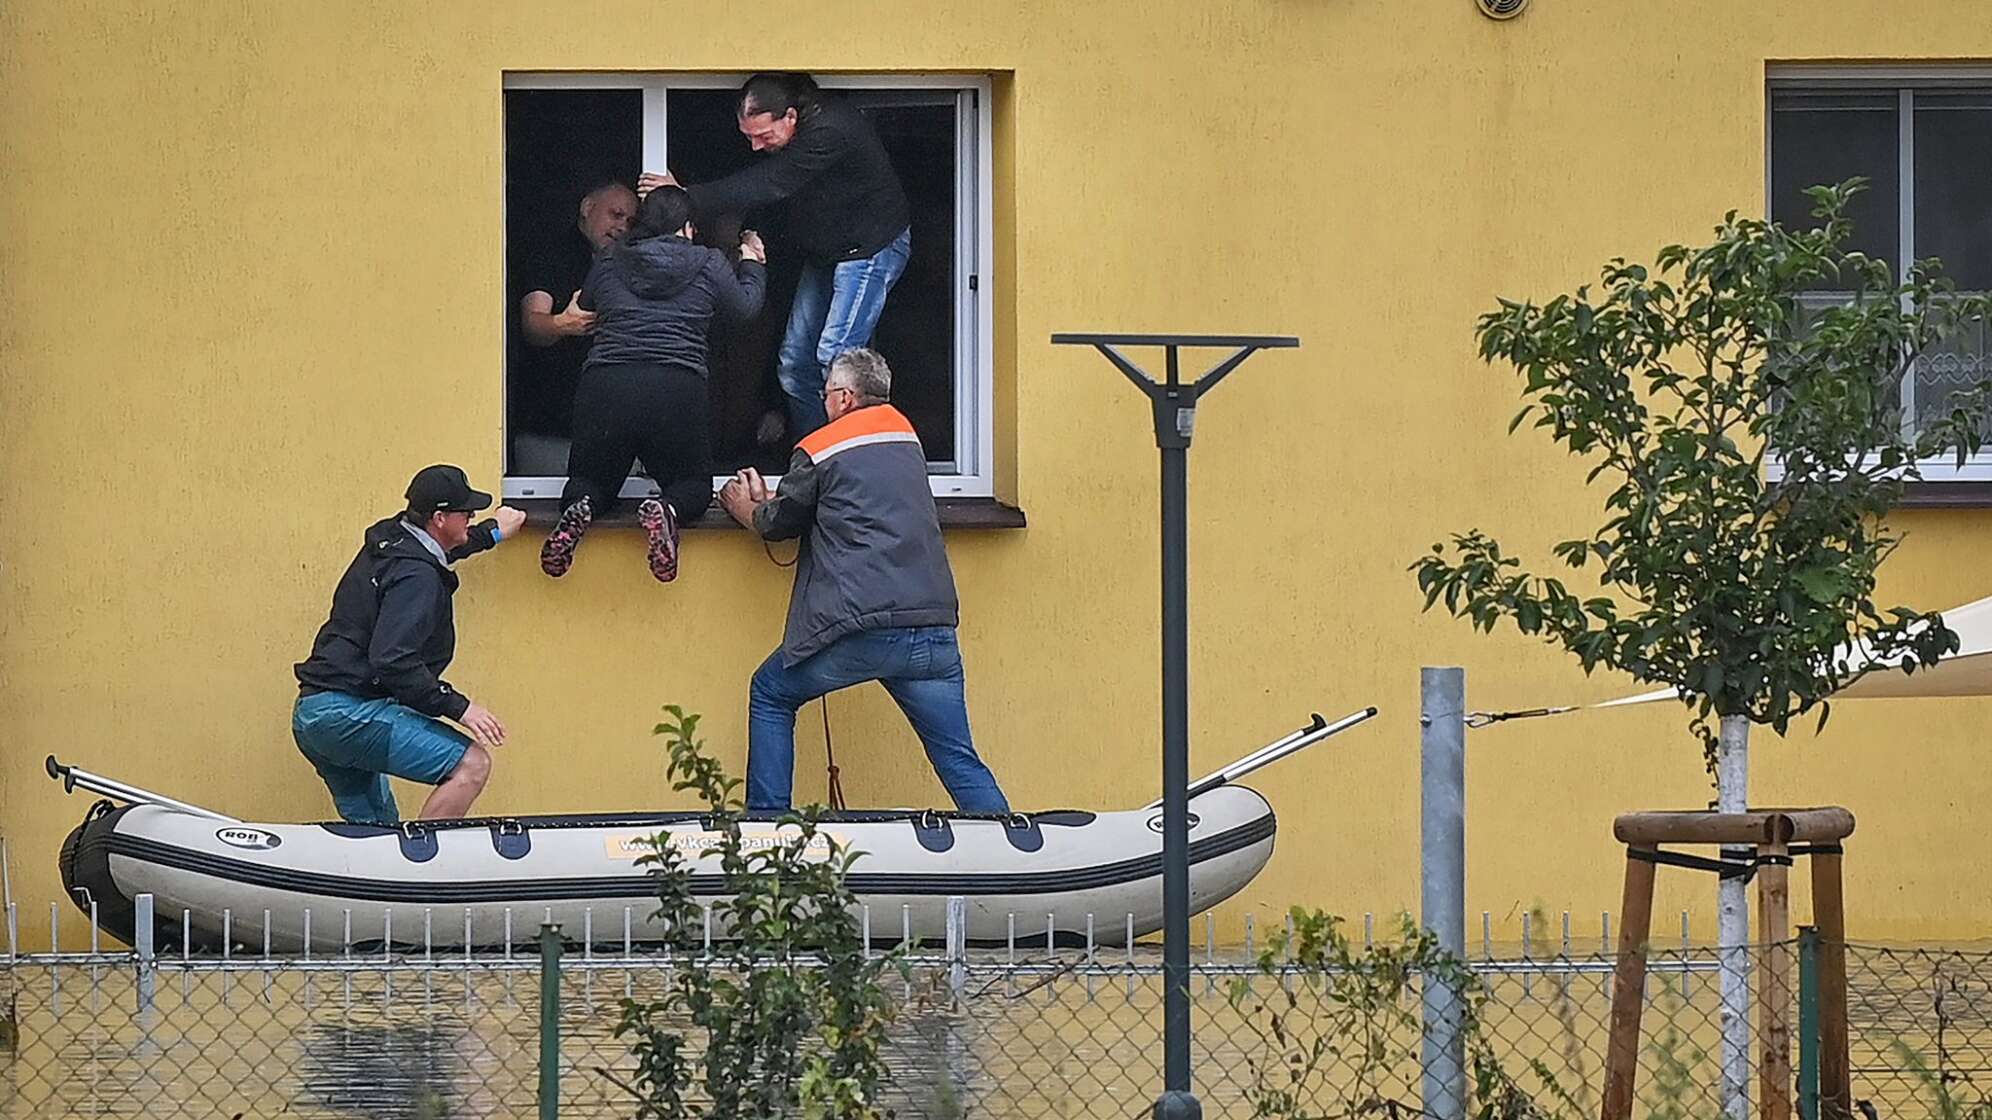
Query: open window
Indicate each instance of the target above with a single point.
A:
(568, 133)
(1922, 137)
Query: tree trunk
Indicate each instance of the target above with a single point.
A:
(1732, 781)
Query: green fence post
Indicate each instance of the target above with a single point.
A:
(1808, 1023)
(549, 1058)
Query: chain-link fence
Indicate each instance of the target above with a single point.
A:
(1920, 1029)
(1067, 1032)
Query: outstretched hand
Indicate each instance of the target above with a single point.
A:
(510, 520)
(651, 180)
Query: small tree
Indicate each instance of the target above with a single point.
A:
(788, 1003)
(1678, 384)
(1739, 590)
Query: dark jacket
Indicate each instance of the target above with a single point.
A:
(654, 300)
(873, 557)
(845, 200)
(392, 630)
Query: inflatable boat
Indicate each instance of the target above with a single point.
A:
(1026, 878)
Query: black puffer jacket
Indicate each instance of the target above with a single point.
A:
(654, 300)
(392, 630)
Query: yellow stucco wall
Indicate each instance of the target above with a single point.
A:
(250, 255)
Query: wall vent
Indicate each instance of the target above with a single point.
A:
(1501, 9)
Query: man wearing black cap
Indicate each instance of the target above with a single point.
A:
(371, 698)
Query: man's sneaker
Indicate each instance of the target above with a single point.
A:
(660, 525)
(557, 554)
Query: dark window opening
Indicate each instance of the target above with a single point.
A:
(560, 143)
(1820, 139)
(917, 333)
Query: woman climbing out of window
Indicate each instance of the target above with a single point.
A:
(643, 389)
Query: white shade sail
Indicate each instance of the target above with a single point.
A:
(1968, 672)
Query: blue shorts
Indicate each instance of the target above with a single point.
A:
(356, 743)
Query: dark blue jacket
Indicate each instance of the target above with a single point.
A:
(654, 300)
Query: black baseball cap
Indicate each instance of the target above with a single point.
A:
(444, 489)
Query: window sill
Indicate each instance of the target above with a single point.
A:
(1946, 495)
(956, 513)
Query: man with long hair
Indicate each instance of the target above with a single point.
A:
(848, 218)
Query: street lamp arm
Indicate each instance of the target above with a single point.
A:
(1133, 372)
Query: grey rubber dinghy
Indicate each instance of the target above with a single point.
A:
(1025, 878)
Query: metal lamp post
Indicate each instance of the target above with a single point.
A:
(1175, 404)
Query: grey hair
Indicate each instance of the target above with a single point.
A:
(866, 372)
(601, 192)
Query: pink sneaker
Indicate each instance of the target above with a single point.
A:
(557, 554)
(660, 526)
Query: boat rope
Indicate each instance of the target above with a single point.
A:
(1486, 719)
(829, 754)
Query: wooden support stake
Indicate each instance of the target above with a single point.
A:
(1829, 916)
(1774, 985)
(1771, 832)
(1758, 826)
(1628, 984)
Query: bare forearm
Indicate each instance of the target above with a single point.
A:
(542, 328)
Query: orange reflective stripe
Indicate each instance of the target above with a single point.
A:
(876, 420)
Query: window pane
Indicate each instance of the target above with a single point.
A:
(1825, 138)
(916, 332)
(559, 144)
(705, 144)
(1943, 372)
(1954, 185)
(1813, 307)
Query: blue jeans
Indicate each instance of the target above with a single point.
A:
(919, 666)
(836, 308)
(355, 743)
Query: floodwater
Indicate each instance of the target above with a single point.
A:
(428, 1044)
(1052, 1038)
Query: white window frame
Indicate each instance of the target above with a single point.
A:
(974, 473)
(1902, 80)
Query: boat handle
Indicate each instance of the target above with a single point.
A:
(73, 777)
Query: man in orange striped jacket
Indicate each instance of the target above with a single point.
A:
(874, 598)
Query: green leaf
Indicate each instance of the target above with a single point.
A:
(1823, 584)
(1668, 382)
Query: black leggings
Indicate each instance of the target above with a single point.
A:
(656, 412)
